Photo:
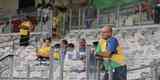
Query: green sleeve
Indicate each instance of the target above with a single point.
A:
(98, 49)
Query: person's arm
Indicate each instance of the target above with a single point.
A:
(98, 51)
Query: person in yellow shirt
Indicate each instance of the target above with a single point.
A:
(44, 50)
(111, 53)
(25, 28)
(56, 54)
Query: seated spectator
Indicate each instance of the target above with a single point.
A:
(82, 47)
(64, 44)
(43, 51)
(56, 54)
(63, 47)
(71, 53)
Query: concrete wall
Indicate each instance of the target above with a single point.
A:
(9, 6)
(1, 4)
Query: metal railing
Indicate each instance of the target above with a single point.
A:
(120, 17)
(125, 19)
(154, 70)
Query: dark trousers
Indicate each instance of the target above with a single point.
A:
(119, 73)
(24, 40)
(88, 23)
(157, 15)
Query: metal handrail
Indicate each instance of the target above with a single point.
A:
(139, 68)
(10, 65)
(4, 69)
(15, 34)
(9, 40)
(6, 56)
(154, 67)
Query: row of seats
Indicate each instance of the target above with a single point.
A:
(147, 48)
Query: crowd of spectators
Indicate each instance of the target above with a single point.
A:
(64, 49)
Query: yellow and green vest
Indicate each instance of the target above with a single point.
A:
(117, 59)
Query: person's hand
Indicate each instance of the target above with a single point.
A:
(104, 54)
(110, 56)
(98, 57)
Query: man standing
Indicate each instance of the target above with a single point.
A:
(110, 52)
(25, 29)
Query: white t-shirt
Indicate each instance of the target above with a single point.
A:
(71, 55)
